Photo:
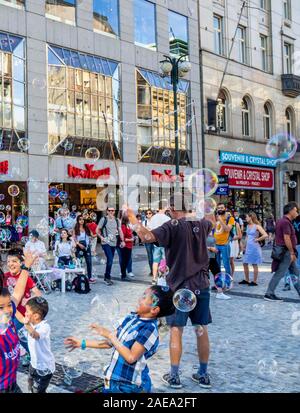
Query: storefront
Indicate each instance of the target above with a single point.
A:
(251, 182)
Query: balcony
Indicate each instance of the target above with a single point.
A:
(290, 85)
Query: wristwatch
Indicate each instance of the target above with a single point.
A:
(23, 267)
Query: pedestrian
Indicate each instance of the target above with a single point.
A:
(38, 248)
(288, 276)
(9, 339)
(149, 247)
(235, 237)
(158, 252)
(82, 241)
(270, 228)
(284, 252)
(224, 225)
(63, 221)
(42, 361)
(135, 341)
(253, 253)
(15, 265)
(184, 239)
(119, 251)
(111, 235)
(126, 251)
(94, 237)
(239, 220)
(64, 249)
(214, 266)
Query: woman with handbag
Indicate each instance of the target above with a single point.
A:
(234, 245)
(126, 251)
(253, 254)
(64, 249)
(81, 237)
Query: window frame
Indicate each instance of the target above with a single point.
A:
(155, 27)
(16, 6)
(287, 10)
(187, 32)
(264, 52)
(287, 58)
(114, 36)
(246, 118)
(267, 121)
(290, 122)
(242, 45)
(60, 19)
(219, 34)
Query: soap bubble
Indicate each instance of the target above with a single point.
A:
(24, 240)
(23, 144)
(8, 208)
(292, 184)
(166, 153)
(71, 367)
(13, 190)
(67, 145)
(93, 216)
(22, 221)
(53, 191)
(267, 368)
(174, 222)
(102, 261)
(196, 229)
(184, 300)
(203, 182)
(2, 231)
(223, 280)
(282, 147)
(38, 83)
(63, 195)
(8, 235)
(92, 154)
(2, 207)
(207, 206)
(2, 197)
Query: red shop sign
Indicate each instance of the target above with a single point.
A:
(4, 168)
(248, 178)
(88, 172)
(166, 176)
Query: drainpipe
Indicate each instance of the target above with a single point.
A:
(201, 91)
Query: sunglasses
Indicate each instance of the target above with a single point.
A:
(111, 210)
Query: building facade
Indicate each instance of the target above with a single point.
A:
(255, 100)
(84, 109)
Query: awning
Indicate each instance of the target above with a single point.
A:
(154, 79)
(8, 42)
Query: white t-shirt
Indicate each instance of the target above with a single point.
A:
(39, 248)
(158, 220)
(64, 249)
(41, 355)
(83, 237)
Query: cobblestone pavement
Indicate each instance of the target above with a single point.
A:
(254, 343)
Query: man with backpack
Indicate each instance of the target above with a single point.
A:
(111, 235)
(222, 232)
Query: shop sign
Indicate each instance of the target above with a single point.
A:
(166, 176)
(247, 159)
(4, 168)
(248, 178)
(88, 172)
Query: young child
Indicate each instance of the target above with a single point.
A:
(9, 340)
(42, 363)
(134, 342)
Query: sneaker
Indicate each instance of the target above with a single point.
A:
(222, 296)
(172, 381)
(150, 274)
(239, 257)
(125, 279)
(244, 282)
(252, 284)
(130, 274)
(92, 280)
(287, 287)
(154, 282)
(272, 297)
(108, 282)
(203, 381)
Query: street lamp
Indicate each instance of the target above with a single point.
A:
(176, 68)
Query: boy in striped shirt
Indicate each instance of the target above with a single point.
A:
(134, 342)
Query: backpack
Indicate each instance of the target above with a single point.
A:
(81, 284)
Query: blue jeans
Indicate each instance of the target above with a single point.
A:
(23, 341)
(122, 387)
(149, 249)
(109, 253)
(129, 265)
(224, 254)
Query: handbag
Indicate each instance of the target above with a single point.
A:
(278, 252)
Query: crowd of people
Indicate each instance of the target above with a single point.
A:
(181, 251)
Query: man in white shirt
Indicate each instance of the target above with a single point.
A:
(37, 247)
(158, 252)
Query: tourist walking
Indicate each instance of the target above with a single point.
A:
(224, 225)
(149, 247)
(270, 228)
(81, 237)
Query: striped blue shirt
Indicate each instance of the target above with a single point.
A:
(131, 330)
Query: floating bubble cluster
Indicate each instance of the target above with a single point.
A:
(184, 300)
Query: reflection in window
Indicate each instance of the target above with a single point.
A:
(16, 3)
(155, 113)
(62, 10)
(218, 34)
(222, 112)
(145, 24)
(246, 117)
(267, 120)
(12, 91)
(106, 16)
(76, 99)
(178, 34)
(290, 121)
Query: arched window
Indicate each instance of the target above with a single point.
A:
(268, 119)
(246, 116)
(289, 121)
(222, 111)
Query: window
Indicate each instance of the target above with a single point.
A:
(246, 117)
(264, 4)
(106, 16)
(218, 35)
(267, 121)
(241, 40)
(12, 91)
(264, 52)
(287, 10)
(62, 10)
(287, 50)
(222, 112)
(290, 121)
(145, 24)
(178, 34)
(80, 88)
(155, 113)
(15, 3)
